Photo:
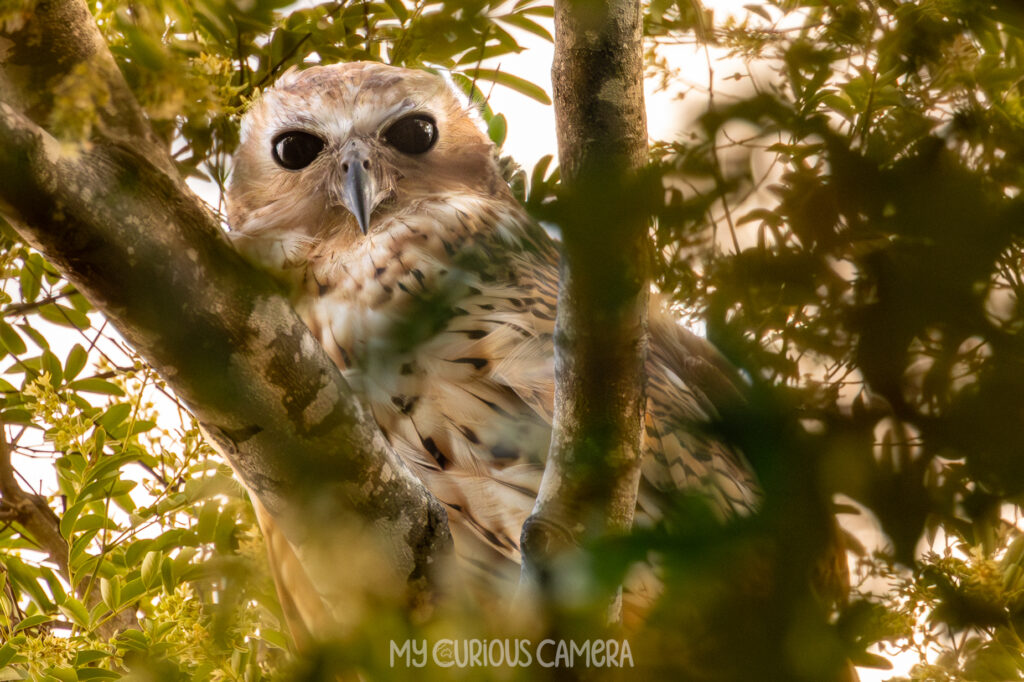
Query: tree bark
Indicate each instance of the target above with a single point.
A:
(590, 481)
(113, 215)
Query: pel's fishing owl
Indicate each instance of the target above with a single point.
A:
(373, 192)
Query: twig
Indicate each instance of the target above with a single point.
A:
(22, 308)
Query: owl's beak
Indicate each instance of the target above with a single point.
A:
(360, 186)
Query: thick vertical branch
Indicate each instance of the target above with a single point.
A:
(113, 215)
(590, 482)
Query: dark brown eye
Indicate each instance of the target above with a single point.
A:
(412, 135)
(295, 150)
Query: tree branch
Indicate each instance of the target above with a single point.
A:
(31, 512)
(593, 470)
(41, 525)
(118, 221)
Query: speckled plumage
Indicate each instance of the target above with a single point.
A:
(442, 314)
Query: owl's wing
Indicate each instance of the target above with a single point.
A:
(688, 384)
(508, 322)
(303, 606)
(688, 381)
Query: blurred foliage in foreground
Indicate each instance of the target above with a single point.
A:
(866, 186)
(847, 222)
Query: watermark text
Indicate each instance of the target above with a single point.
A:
(511, 653)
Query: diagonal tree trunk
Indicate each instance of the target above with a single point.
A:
(114, 216)
(593, 469)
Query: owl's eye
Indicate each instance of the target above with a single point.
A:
(412, 135)
(295, 149)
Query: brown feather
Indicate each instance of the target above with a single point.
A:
(442, 317)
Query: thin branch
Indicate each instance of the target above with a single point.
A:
(589, 487)
(30, 510)
(23, 308)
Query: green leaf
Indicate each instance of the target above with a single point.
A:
(77, 301)
(182, 562)
(7, 652)
(78, 547)
(56, 586)
(26, 578)
(106, 466)
(497, 129)
(86, 656)
(761, 214)
(94, 385)
(866, 659)
(31, 622)
(18, 416)
(11, 340)
(539, 173)
(141, 426)
(136, 551)
(64, 316)
(520, 85)
(538, 11)
(151, 568)
(62, 673)
(94, 522)
(75, 611)
(521, 21)
(207, 521)
(115, 415)
(167, 575)
(110, 591)
(36, 337)
(31, 278)
(759, 11)
(70, 517)
(51, 365)
(107, 487)
(133, 639)
(172, 537)
(75, 362)
(398, 9)
(275, 638)
(133, 589)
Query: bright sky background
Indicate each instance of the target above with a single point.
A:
(531, 132)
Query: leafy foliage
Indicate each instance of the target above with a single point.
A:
(148, 527)
(870, 281)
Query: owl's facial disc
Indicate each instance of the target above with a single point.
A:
(360, 185)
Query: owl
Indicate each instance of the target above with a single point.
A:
(374, 195)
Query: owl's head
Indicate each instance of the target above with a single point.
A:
(335, 148)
